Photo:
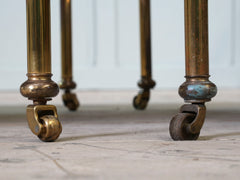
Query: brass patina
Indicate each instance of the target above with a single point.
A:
(197, 89)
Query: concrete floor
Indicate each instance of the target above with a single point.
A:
(113, 141)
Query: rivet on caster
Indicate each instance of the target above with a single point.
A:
(43, 122)
(70, 100)
(186, 125)
(141, 100)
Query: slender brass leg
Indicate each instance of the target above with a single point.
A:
(42, 119)
(197, 89)
(146, 83)
(69, 99)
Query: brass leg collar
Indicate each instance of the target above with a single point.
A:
(67, 84)
(197, 90)
(146, 83)
(39, 86)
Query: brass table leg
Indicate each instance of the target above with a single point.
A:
(69, 99)
(42, 119)
(146, 83)
(197, 89)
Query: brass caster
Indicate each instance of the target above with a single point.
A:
(43, 122)
(178, 127)
(141, 100)
(186, 125)
(51, 128)
(70, 101)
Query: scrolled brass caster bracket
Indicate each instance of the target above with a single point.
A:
(70, 100)
(43, 122)
(141, 100)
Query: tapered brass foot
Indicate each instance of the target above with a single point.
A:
(43, 122)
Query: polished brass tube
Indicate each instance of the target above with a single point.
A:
(196, 37)
(66, 38)
(145, 33)
(38, 36)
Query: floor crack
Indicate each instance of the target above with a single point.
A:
(55, 162)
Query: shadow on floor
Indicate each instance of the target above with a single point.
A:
(214, 136)
(72, 138)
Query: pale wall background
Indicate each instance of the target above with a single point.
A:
(106, 43)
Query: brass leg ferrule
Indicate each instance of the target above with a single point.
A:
(39, 87)
(67, 83)
(197, 90)
(146, 83)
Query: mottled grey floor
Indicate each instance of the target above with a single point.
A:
(117, 142)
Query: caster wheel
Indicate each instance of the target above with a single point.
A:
(179, 127)
(70, 101)
(51, 128)
(139, 103)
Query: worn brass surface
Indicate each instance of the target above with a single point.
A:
(196, 37)
(197, 88)
(43, 121)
